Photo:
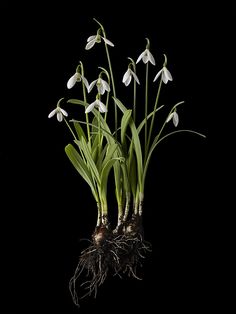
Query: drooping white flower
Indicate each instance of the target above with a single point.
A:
(102, 86)
(165, 75)
(60, 113)
(128, 76)
(98, 104)
(92, 40)
(77, 77)
(174, 117)
(146, 56)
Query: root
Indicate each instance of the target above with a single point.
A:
(93, 265)
(132, 258)
(118, 254)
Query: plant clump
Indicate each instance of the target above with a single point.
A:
(122, 146)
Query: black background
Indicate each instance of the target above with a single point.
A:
(47, 208)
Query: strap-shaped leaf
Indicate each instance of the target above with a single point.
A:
(124, 124)
(90, 160)
(110, 149)
(104, 174)
(81, 167)
(138, 151)
(120, 105)
(133, 174)
(79, 130)
(78, 102)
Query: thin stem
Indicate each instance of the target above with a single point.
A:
(113, 86)
(146, 109)
(70, 129)
(153, 118)
(134, 92)
(134, 104)
(111, 75)
(165, 122)
(86, 114)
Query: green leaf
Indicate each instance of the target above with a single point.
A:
(138, 151)
(124, 124)
(120, 105)
(110, 150)
(133, 174)
(77, 102)
(104, 174)
(81, 167)
(79, 131)
(90, 160)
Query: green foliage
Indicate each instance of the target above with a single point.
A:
(102, 145)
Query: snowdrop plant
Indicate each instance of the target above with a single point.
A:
(120, 149)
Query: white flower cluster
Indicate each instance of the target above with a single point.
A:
(103, 86)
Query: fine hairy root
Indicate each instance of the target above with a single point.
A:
(108, 253)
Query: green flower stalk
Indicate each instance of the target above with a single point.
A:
(100, 153)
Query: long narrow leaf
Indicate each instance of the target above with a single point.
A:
(79, 131)
(90, 160)
(109, 153)
(81, 167)
(138, 151)
(120, 105)
(104, 174)
(124, 124)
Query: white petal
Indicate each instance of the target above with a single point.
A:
(145, 59)
(100, 86)
(158, 74)
(64, 112)
(101, 106)
(51, 114)
(105, 85)
(170, 117)
(127, 82)
(163, 77)
(108, 42)
(150, 57)
(175, 118)
(71, 82)
(126, 75)
(59, 116)
(91, 86)
(141, 56)
(90, 107)
(135, 77)
(85, 81)
(90, 44)
(167, 74)
(101, 89)
(91, 38)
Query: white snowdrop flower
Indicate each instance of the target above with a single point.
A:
(174, 117)
(102, 86)
(77, 77)
(146, 56)
(98, 104)
(128, 76)
(92, 40)
(59, 112)
(165, 75)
